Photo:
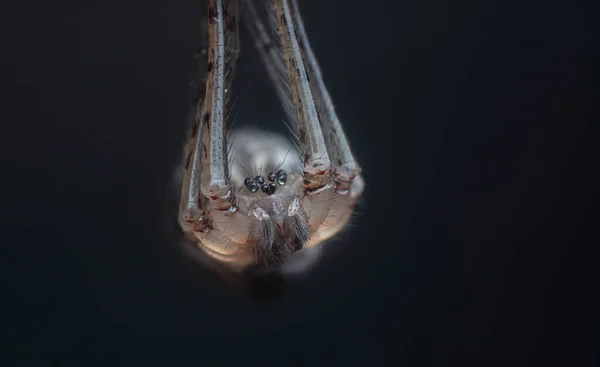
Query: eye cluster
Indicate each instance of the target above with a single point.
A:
(267, 187)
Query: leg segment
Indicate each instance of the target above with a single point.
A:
(343, 163)
(315, 155)
(215, 178)
(332, 176)
(208, 206)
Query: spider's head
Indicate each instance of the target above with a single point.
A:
(278, 221)
(267, 173)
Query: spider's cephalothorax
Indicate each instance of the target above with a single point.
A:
(295, 195)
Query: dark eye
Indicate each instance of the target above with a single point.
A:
(272, 176)
(281, 177)
(251, 185)
(269, 188)
(259, 179)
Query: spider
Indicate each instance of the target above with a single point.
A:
(302, 192)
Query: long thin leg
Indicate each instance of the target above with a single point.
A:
(206, 171)
(209, 213)
(215, 179)
(343, 162)
(327, 154)
(192, 216)
(315, 155)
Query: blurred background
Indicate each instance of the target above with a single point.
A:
(474, 124)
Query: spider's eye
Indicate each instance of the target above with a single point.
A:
(259, 180)
(272, 176)
(281, 177)
(251, 185)
(269, 188)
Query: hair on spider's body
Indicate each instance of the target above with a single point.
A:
(298, 192)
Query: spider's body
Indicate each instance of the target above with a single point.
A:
(267, 198)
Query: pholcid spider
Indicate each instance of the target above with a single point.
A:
(303, 191)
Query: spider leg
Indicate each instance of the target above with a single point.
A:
(215, 180)
(344, 165)
(192, 216)
(316, 160)
(208, 210)
(331, 175)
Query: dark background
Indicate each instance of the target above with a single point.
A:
(473, 123)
